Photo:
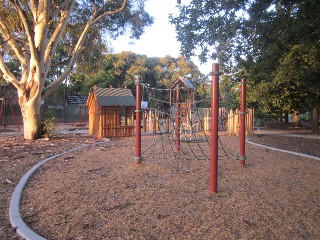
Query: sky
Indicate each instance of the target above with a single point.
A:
(159, 39)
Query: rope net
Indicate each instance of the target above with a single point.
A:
(164, 115)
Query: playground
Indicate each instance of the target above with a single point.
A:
(97, 193)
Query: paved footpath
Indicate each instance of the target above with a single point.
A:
(288, 133)
(302, 134)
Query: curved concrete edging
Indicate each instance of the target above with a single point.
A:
(14, 210)
(281, 150)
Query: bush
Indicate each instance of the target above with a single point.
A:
(48, 124)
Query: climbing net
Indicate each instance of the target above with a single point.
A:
(175, 126)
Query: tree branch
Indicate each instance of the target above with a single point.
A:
(7, 74)
(49, 89)
(34, 7)
(4, 31)
(25, 22)
(54, 40)
(96, 17)
(21, 55)
(57, 9)
(41, 25)
(79, 46)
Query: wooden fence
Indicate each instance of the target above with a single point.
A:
(233, 122)
(155, 121)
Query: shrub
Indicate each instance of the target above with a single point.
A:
(48, 124)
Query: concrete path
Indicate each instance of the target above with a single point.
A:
(285, 134)
(302, 134)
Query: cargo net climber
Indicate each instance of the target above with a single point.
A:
(176, 127)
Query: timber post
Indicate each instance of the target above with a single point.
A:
(138, 158)
(214, 128)
(177, 126)
(242, 130)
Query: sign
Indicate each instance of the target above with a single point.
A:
(144, 105)
(77, 99)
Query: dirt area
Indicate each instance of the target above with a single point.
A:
(96, 192)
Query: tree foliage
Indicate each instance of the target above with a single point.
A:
(47, 37)
(298, 76)
(119, 70)
(274, 44)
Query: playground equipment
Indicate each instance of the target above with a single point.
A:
(181, 130)
(6, 101)
(214, 128)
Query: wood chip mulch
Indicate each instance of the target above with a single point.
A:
(96, 193)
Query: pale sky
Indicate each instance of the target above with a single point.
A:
(159, 39)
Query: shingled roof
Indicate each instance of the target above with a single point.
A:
(114, 97)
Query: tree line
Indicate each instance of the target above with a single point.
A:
(118, 70)
(274, 44)
(48, 36)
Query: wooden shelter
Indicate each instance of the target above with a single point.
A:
(111, 112)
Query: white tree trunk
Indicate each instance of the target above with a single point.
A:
(31, 117)
(39, 47)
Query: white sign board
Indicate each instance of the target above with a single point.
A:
(144, 105)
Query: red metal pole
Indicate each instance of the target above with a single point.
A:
(177, 128)
(214, 128)
(242, 130)
(137, 158)
(14, 116)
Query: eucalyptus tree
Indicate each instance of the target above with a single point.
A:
(168, 69)
(31, 31)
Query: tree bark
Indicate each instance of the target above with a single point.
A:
(30, 110)
(40, 38)
(315, 118)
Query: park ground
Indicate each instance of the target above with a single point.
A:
(96, 192)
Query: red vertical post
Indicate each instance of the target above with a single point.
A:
(137, 158)
(177, 127)
(14, 115)
(242, 130)
(214, 128)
